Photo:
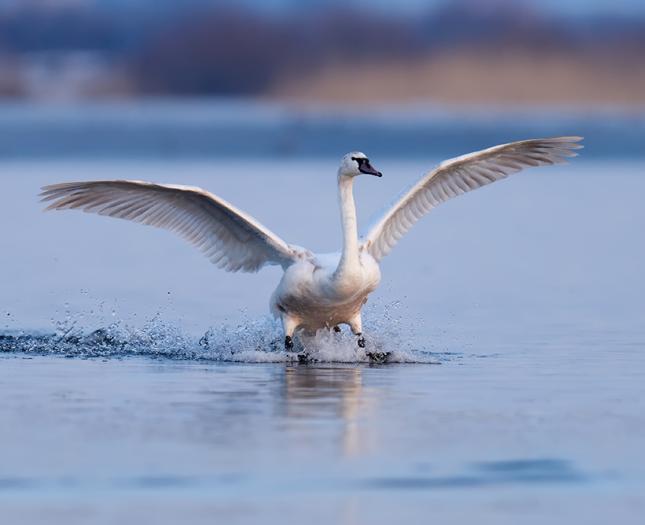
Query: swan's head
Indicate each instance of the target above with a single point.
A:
(356, 163)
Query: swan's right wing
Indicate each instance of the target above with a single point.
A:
(231, 239)
(459, 175)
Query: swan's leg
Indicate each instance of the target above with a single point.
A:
(357, 329)
(356, 324)
(289, 325)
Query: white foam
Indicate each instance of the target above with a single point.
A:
(262, 341)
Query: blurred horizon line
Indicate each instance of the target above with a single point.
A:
(466, 52)
(224, 130)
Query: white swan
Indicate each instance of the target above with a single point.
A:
(316, 291)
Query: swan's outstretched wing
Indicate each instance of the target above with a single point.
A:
(231, 239)
(459, 175)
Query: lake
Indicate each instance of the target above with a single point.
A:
(140, 383)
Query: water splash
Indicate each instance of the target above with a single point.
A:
(248, 340)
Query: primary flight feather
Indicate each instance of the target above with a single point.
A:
(459, 175)
(231, 239)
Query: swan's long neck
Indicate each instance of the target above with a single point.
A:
(349, 259)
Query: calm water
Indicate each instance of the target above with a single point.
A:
(516, 315)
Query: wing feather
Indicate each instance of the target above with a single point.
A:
(457, 176)
(231, 239)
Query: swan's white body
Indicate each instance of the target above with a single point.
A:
(312, 296)
(316, 291)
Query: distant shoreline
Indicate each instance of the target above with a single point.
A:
(479, 79)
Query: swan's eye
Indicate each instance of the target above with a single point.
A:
(361, 160)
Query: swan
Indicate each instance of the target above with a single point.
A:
(317, 291)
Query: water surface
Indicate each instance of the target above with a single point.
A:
(516, 315)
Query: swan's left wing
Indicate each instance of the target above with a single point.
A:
(230, 238)
(459, 175)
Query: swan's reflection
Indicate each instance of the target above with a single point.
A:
(333, 395)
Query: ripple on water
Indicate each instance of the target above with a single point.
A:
(514, 472)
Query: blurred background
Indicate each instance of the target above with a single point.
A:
(306, 69)
(572, 52)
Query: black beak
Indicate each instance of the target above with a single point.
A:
(368, 169)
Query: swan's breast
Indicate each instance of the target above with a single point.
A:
(310, 291)
(315, 280)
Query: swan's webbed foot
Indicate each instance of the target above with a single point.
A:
(378, 358)
(375, 357)
(306, 359)
(303, 356)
